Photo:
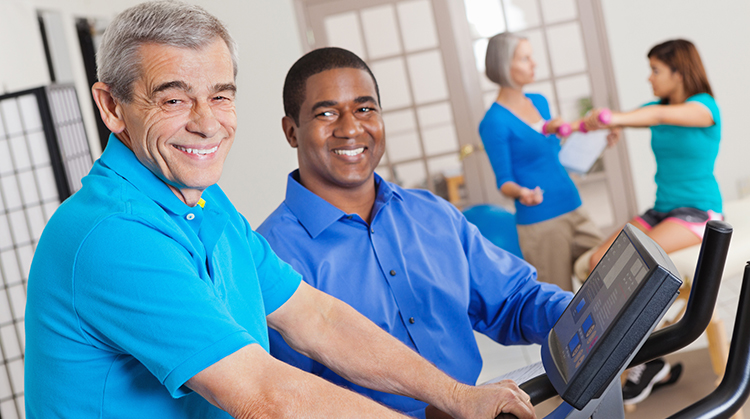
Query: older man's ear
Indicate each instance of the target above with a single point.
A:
(109, 109)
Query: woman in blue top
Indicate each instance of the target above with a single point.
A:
(553, 230)
(685, 131)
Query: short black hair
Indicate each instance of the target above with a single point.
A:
(312, 63)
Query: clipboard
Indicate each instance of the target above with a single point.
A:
(581, 150)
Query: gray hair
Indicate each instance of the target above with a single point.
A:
(500, 51)
(172, 23)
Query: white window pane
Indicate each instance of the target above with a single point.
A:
(47, 185)
(20, 152)
(381, 32)
(427, 76)
(28, 188)
(403, 146)
(384, 171)
(11, 194)
(485, 17)
(30, 112)
(11, 117)
(400, 121)
(575, 96)
(487, 85)
(9, 269)
(36, 221)
(417, 25)
(6, 163)
(447, 166)
(558, 10)
(16, 375)
(25, 254)
(437, 114)
(49, 209)
(8, 410)
(522, 14)
(18, 226)
(5, 390)
(5, 315)
(18, 299)
(343, 31)
(538, 46)
(566, 49)
(21, 335)
(440, 139)
(480, 52)
(394, 87)
(5, 240)
(38, 147)
(410, 175)
(545, 89)
(10, 342)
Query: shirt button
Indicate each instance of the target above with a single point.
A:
(372, 230)
(190, 216)
(411, 320)
(393, 273)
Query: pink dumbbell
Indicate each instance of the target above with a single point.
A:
(563, 129)
(605, 117)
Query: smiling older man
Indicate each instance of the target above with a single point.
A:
(150, 295)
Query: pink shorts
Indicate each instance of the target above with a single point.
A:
(691, 218)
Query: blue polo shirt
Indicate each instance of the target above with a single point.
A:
(420, 271)
(132, 292)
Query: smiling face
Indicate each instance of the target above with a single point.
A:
(181, 121)
(523, 64)
(664, 81)
(340, 137)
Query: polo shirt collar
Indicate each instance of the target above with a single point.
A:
(316, 214)
(123, 161)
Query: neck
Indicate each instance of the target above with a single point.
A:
(189, 196)
(510, 95)
(355, 200)
(678, 96)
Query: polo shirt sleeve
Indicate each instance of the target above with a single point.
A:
(278, 279)
(507, 303)
(137, 292)
(495, 133)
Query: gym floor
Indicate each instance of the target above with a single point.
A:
(697, 381)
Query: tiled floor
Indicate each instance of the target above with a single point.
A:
(499, 360)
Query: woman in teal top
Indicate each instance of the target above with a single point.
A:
(685, 132)
(553, 229)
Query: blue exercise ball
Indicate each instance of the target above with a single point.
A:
(497, 224)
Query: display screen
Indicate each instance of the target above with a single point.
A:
(597, 304)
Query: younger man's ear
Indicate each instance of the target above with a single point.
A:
(109, 108)
(290, 130)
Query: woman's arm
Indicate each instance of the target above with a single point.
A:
(526, 196)
(688, 114)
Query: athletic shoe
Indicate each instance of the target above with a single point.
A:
(641, 380)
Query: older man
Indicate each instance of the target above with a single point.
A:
(406, 259)
(150, 296)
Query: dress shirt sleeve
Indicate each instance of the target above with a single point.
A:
(495, 132)
(140, 294)
(507, 303)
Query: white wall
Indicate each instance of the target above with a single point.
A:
(266, 31)
(720, 32)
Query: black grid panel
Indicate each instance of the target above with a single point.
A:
(43, 155)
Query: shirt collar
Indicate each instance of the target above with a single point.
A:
(118, 157)
(316, 214)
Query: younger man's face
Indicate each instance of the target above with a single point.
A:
(340, 136)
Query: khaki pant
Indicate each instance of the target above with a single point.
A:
(553, 246)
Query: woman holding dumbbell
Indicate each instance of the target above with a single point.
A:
(685, 131)
(518, 135)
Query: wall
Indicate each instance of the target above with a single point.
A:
(720, 32)
(266, 31)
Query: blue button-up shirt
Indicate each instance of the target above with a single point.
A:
(419, 270)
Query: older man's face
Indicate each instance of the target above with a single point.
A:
(181, 121)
